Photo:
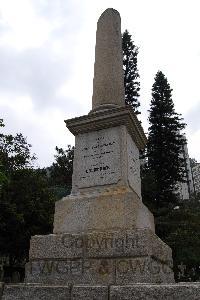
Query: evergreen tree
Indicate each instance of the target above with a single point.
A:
(131, 75)
(165, 143)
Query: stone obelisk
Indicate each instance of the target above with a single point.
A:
(108, 85)
(103, 233)
(104, 239)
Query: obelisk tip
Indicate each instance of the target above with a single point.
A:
(109, 11)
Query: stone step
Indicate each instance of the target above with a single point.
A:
(178, 291)
(184, 291)
(35, 292)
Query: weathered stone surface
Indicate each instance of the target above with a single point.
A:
(71, 271)
(111, 209)
(185, 291)
(89, 292)
(136, 243)
(107, 119)
(106, 157)
(108, 84)
(110, 244)
(99, 271)
(143, 269)
(35, 292)
(179, 291)
(99, 258)
(133, 165)
(97, 158)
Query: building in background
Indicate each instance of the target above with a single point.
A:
(186, 189)
(191, 184)
(196, 177)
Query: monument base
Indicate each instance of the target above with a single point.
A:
(179, 291)
(110, 257)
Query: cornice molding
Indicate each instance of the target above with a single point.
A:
(109, 118)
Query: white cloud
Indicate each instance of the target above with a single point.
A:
(47, 54)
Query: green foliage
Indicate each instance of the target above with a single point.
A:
(60, 172)
(26, 203)
(15, 152)
(180, 229)
(1, 123)
(148, 188)
(27, 208)
(165, 143)
(3, 177)
(131, 75)
(177, 223)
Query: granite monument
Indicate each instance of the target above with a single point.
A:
(104, 244)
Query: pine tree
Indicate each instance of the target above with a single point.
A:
(131, 75)
(165, 142)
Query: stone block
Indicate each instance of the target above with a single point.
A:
(97, 159)
(89, 292)
(139, 291)
(56, 246)
(126, 243)
(112, 209)
(110, 244)
(98, 271)
(186, 291)
(35, 292)
(71, 271)
(106, 157)
(143, 269)
(109, 257)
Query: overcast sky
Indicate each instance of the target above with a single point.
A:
(47, 56)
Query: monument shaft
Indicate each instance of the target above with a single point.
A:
(108, 84)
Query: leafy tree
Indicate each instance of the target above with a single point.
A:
(61, 171)
(26, 203)
(27, 208)
(131, 75)
(15, 152)
(180, 229)
(165, 143)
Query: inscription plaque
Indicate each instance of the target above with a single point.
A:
(98, 158)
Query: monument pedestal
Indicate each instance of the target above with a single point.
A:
(113, 208)
(103, 233)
